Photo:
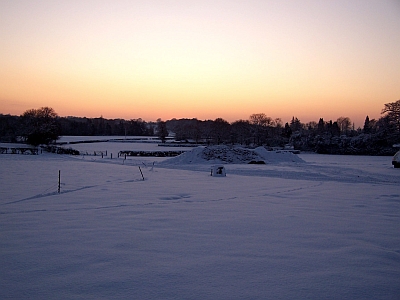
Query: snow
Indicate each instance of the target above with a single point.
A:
(114, 145)
(231, 155)
(318, 227)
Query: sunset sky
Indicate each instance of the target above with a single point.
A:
(203, 59)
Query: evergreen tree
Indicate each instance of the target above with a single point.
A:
(321, 126)
(367, 128)
(295, 124)
(287, 131)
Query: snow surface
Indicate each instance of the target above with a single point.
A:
(117, 144)
(231, 155)
(323, 227)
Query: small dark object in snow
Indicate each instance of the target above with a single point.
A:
(218, 171)
(257, 162)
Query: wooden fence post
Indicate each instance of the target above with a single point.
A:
(59, 180)
(141, 172)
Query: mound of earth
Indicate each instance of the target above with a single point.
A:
(232, 155)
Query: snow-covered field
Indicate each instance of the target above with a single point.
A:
(319, 227)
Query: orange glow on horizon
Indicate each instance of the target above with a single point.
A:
(200, 60)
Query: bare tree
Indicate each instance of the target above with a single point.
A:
(220, 130)
(260, 119)
(162, 131)
(260, 123)
(241, 131)
(344, 124)
(392, 111)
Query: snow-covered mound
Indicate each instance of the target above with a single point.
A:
(277, 156)
(232, 155)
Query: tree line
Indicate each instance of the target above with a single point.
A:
(43, 126)
(376, 137)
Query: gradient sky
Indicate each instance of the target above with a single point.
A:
(200, 59)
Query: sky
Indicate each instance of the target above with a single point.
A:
(204, 59)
